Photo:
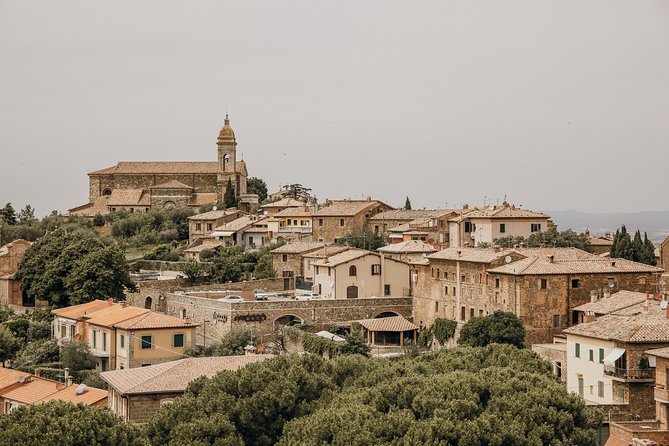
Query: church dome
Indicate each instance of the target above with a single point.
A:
(226, 133)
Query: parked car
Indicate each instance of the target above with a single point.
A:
(261, 294)
(231, 298)
(308, 296)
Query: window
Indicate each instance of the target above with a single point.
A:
(556, 321)
(72, 330)
(318, 270)
(436, 307)
(352, 271)
(577, 351)
(463, 313)
(580, 385)
(469, 227)
(446, 291)
(209, 227)
(294, 222)
(591, 356)
(104, 341)
(290, 222)
(445, 275)
(341, 222)
(376, 270)
(471, 313)
(329, 271)
(497, 283)
(601, 356)
(544, 284)
(63, 331)
(575, 283)
(463, 278)
(386, 290)
(621, 395)
(376, 229)
(94, 335)
(600, 389)
(642, 281)
(320, 222)
(284, 258)
(611, 282)
(535, 227)
(122, 341)
(178, 340)
(502, 228)
(166, 402)
(198, 226)
(438, 273)
(147, 341)
(351, 292)
(480, 313)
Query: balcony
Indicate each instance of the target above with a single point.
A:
(295, 229)
(661, 395)
(629, 375)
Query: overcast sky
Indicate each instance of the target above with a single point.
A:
(559, 105)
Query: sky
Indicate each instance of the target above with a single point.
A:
(554, 104)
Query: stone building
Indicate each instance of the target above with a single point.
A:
(608, 364)
(11, 255)
(339, 218)
(429, 225)
(202, 225)
(135, 395)
(407, 251)
(287, 259)
(542, 286)
(137, 186)
(294, 223)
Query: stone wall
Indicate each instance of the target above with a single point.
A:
(556, 356)
(202, 183)
(626, 431)
(141, 408)
(217, 318)
(293, 263)
(331, 228)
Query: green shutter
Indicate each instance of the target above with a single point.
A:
(578, 350)
(601, 356)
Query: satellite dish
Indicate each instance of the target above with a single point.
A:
(508, 259)
(664, 304)
(22, 379)
(215, 208)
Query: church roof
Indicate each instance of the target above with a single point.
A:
(165, 167)
(129, 197)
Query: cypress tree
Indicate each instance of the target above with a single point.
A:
(229, 199)
(624, 244)
(407, 204)
(649, 251)
(614, 245)
(638, 254)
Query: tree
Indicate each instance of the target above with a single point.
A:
(355, 345)
(407, 204)
(99, 220)
(363, 240)
(649, 251)
(27, 215)
(233, 342)
(229, 198)
(73, 267)
(499, 327)
(552, 238)
(60, 422)
(76, 356)
(9, 344)
(34, 353)
(636, 249)
(298, 192)
(264, 269)
(8, 214)
(194, 271)
(226, 267)
(257, 186)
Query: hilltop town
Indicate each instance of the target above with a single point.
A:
(174, 271)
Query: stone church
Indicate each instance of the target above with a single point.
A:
(137, 186)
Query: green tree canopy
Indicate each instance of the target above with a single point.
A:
(9, 344)
(499, 327)
(62, 423)
(8, 214)
(363, 240)
(76, 356)
(257, 186)
(637, 249)
(550, 238)
(298, 192)
(407, 204)
(73, 267)
(487, 395)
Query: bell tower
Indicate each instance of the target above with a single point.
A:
(227, 148)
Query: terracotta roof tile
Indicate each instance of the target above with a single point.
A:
(129, 197)
(33, 390)
(154, 319)
(213, 215)
(301, 211)
(410, 246)
(98, 206)
(77, 311)
(90, 397)
(9, 377)
(477, 255)
(298, 247)
(174, 376)
(173, 184)
(344, 257)
(326, 251)
(394, 324)
(615, 302)
(412, 214)
(113, 315)
(597, 265)
(346, 208)
(283, 203)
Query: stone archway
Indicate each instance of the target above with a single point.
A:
(288, 320)
(148, 302)
(387, 313)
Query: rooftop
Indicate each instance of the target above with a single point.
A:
(408, 247)
(326, 251)
(32, 390)
(129, 197)
(114, 314)
(155, 319)
(287, 202)
(214, 215)
(412, 214)
(395, 323)
(174, 376)
(298, 247)
(346, 208)
(157, 167)
(505, 211)
(634, 324)
(90, 397)
(344, 257)
(10, 377)
(477, 255)
(535, 265)
(78, 311)
(299, 211)
(173, 184)
(615, 302)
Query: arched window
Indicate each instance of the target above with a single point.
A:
(106, 192)
(182, 313)
(351, 292)
(352, 270)
(169, 204)
(148, 302)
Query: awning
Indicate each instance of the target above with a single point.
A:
(613, 356)
(222, 233)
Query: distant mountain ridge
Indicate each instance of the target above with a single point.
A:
(655, 223)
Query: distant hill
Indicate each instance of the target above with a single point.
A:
(655, 223)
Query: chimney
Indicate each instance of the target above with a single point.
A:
(589, 316)
(593, 296)
(551, 258)
(110, 300)
(613, 264)
(465, 206)
(67, 377)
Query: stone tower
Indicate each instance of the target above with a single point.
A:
(227, 158)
